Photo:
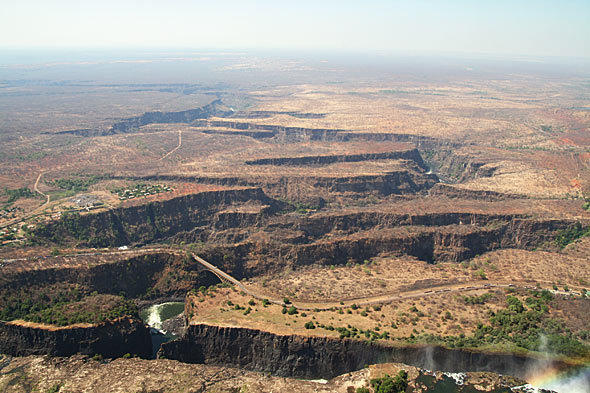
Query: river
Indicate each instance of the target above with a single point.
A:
(154, 316)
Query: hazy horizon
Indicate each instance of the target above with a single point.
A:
(542, 29)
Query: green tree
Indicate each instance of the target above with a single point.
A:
(387, 384)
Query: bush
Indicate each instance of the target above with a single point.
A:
(309, 325)
(286, 300)
(292, 310)
(363, 390)
(482, 299)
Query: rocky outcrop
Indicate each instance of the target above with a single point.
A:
(323, 357)
(110, 339)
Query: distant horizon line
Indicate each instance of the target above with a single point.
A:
(316, 51)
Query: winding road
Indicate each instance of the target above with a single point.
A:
(34, 212)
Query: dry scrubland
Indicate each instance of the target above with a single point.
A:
(347, 176)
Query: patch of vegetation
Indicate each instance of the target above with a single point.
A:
(141, 189)
(300, 207)
(387, 384)
(482, 299)
(63, 305)
(77, 183)
(569, 235)
(57, 232)
(525, 326)
(292, 310)
(18, 193)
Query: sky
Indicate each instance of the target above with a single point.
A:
(502, 27)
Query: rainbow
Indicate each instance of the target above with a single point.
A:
(562, 382)
(545, 376)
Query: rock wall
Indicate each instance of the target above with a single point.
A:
(109, 339)
(322, 357)
(149, 222)
(411, 154)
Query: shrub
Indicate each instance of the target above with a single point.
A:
(482, 274)
(292, 310)
(309, 325)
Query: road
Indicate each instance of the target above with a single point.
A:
(176, 148)
(311, 306)
(34, 212)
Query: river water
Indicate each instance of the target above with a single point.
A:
(158, 313)
(154, 316)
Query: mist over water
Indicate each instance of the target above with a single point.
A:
(542, 375)
(568, 382)
(158, 313)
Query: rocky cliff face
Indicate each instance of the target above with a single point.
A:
(146, 276)
(133, 123)
(329, 240)
(110, 339)
(411, 154)
(150, 222)
(322, 357)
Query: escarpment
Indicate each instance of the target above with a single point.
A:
(411, 154)
(110, 339)
(323, 357)
(152, 221)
